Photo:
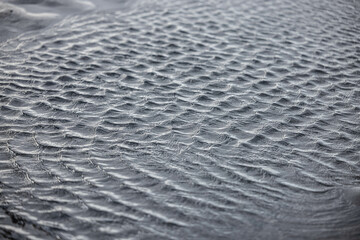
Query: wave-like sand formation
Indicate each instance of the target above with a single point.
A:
(184, 120)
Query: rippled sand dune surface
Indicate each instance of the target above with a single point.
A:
(184, 120)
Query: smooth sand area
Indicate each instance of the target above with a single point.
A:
(21, 16)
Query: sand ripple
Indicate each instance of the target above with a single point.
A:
(184, 120)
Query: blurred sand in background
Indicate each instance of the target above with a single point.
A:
(20, 16)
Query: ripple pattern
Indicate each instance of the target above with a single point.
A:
(184, 120)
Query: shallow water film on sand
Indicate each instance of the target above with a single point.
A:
(182, 120)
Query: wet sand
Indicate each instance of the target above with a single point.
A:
(21, 16)
(184, 119)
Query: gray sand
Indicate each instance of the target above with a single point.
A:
(20, 16)
(180, 119)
